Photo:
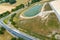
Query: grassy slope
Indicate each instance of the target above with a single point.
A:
(36, 26)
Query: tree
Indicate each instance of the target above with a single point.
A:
(11, 19)
(1, 32)
(33, 1)
(4, 14)
(20, 39)
(2, 29)
(20, 6)
(13, 23)
(12, 1)
(14, 9)
(13, 38)
(6, 0)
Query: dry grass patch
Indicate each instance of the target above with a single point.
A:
(5, 36)
(18, 2)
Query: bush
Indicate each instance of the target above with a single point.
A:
(13, 23)
(1, 32)
(6, 0)
(4, 14)
(13, 10)
(11, 19)
(2, 29)
(13, 38)
(12, 1)
(33, 1)
(20, 39)
(18, 7)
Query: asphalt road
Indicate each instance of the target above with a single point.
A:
(16, 32)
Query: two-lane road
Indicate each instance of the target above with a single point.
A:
(17, 33)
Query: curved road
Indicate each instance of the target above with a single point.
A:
(17, 33)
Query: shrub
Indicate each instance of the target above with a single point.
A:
(12, 1)
(2, 29)
(4, 14)
(33, 1)
(13, 38)
(18, 7)
(6, 0)
(20, 39)
(1, 32)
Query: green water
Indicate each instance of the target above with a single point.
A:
(33, 11)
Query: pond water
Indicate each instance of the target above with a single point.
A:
(32, 11)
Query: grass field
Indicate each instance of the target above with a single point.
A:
(36, 26)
